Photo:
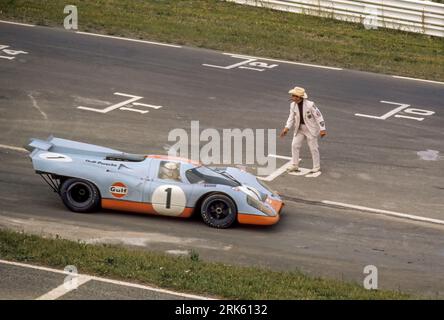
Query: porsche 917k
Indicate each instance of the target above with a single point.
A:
(89, 177)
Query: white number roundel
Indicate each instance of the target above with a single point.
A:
(169, 200)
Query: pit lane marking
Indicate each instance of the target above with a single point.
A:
(283, 169)
(284, 61)
(124, 105)
(252, 63)
(120, 283)
(402, 107)
(10, 53)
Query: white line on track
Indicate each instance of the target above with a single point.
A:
(284, 61)
(34, 103)
(385, 212)
(88, 278)
(128, 39)
(277, 172)
(280, 157)
(64, 289)
(416, 79)
(17, 23)
(13, 148)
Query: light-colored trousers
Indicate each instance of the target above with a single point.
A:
(312, 141)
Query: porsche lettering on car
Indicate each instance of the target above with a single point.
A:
(89, 177)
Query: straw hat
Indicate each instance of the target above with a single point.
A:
(298, 91)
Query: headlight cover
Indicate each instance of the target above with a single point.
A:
(260, 206)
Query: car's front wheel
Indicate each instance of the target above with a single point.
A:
(80, 195)
(218, 211)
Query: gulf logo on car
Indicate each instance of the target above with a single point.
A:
(118, 190)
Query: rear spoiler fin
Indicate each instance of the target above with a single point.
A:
(38, 144)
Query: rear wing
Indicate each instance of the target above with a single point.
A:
(38, 144)
(58, 145)
(55, 157)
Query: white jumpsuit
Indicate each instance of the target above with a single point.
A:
(314, 123)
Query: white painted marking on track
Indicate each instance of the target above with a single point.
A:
(280, 157)
(229, 67)
(121, 283)
(252, 62)
(18, 23)
(146, 105)
(285, 61)
(276, 173)
(114, 106)
(13, 148)
(283, 169)
(123, 105)
(139, 286)
(302, 172)
(10, 53)
(63, 289)
(416, 79)
(402, 107)
(279, 171)
(134, 110)
(128, 39)
(385, 212)
(34, 103)
(429, 155)
(313, 175)
(388, 114)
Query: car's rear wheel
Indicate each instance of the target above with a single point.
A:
(80, 195)
(218, 211)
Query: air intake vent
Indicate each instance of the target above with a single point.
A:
(126, 157)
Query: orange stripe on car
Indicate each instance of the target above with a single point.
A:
(245, 218)
(186, 213)
(140, 207)
(132, 206)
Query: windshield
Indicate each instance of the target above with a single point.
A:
(206, 175)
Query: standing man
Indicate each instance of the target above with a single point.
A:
(310, 125)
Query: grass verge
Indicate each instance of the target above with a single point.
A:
(186, 274)
(230, 27)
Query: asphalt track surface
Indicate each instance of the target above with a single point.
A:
(365, 161)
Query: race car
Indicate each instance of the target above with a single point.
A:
(89, 177)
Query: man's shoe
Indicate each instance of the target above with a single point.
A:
(314, 170)
(293, 168)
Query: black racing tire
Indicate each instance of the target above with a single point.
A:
(80, 195)
(218, 211)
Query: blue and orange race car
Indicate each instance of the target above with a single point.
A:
(89, 177)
